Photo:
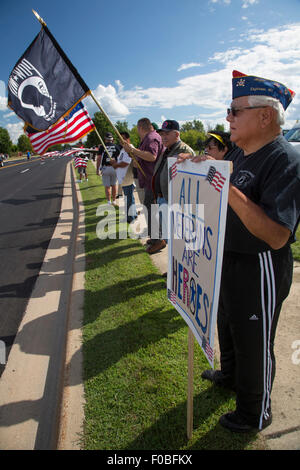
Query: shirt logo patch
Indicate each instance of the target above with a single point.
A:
(243, 178)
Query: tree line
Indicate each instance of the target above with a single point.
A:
(7, 147)
(192, 133)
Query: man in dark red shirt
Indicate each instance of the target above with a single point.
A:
(149, 150)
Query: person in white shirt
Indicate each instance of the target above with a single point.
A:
(124, 170)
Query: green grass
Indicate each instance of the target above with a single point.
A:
(135, 354)
(296, 246)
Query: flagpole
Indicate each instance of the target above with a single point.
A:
(115, 129)
(39, 18)
(43, 23)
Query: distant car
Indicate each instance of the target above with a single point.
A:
(293, 136)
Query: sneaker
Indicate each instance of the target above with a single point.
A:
(155, 247)
(236, 423)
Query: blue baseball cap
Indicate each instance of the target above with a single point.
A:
(246, 85)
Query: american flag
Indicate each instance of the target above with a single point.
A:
(215, 178)
(207, 348)
(173, 171)
(172, 296)
(79, 161)
(70, 128)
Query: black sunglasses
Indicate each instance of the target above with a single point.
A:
(234, 110)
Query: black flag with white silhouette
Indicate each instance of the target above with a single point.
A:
(44, 85)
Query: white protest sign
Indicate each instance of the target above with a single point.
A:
(198, 196)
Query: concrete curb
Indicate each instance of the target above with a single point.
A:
(32, 382)
(72, 409)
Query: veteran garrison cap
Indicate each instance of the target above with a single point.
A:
(246, 85)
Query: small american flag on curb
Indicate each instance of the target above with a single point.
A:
(80, 162)
(207, 348)
(215, 178)
(173, 171)
(172, 296)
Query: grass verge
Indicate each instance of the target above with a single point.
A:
(296, 246)
(135, 354)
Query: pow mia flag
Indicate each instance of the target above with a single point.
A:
(44, 85)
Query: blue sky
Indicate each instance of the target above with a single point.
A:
(161, 59)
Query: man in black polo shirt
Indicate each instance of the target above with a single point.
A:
(109, 176)
(263, 215)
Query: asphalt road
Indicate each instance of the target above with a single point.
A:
(30, 201)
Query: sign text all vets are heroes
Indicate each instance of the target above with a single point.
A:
(196, 243)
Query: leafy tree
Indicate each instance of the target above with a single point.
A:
(102, 126)
(92, 140)
(192, 125)
(24, 143)
(218, 128)
(122, 126)
(134, 137)
(55, 147)
(5, 142)
(193, 138)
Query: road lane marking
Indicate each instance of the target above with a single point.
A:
(24, 171)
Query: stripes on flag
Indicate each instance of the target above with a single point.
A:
(215, 178)
(69, 129)
(80, 162)
(172, 296)
(208, 349)
(173, 171)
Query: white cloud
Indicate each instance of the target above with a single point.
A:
(15, 130)
(226, 2)
(247, 3)
(3, 99)
(189, 66)
(109, 101)
(8, 115)
(274, 53)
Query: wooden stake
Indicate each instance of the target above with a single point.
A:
(190, 394)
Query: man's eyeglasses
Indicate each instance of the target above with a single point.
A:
(234, 110)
